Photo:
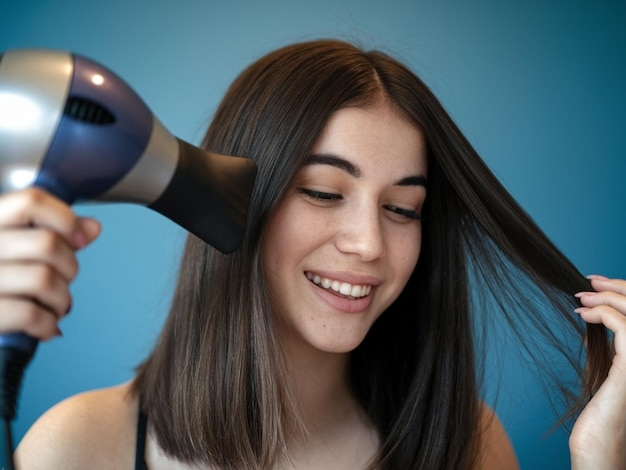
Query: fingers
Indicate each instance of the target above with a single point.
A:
(38, 282)
(609, 292)
(601, 283)
(599, 430)
(39, 237)
(35, 208)
(25, 316)
(606, 306)
(605, 299)
(38, 245)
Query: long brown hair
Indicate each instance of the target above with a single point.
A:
(214, 386)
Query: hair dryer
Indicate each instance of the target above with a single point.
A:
(73, 127)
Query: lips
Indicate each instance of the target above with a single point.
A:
(339, 294)
(340, 287)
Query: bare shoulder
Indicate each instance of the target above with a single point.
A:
(496, 450)
(91, 430)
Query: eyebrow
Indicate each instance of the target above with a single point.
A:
(333, 160)
(353, 170)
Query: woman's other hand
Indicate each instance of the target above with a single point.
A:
(598, 437)
(39, 237)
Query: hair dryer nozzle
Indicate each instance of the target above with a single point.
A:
(209, 196)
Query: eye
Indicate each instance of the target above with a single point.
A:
(320, 196)
(409, 214)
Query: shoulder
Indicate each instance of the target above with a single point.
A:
(91, 430)
(496, 450)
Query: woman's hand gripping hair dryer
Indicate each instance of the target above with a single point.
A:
(74, 128)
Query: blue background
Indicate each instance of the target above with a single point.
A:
(537, 86)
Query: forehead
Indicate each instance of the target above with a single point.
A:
(374, 135)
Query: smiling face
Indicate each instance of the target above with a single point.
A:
(346, 236)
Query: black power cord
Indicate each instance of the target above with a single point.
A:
(13, 361)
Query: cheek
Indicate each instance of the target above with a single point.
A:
(408, 255)
(285, 241)
(294, 230)
(273, 240)
(275, 268)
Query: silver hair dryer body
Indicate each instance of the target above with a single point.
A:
(73, 127)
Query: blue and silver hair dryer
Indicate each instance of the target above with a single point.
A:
(73, 127)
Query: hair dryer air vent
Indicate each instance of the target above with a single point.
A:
(85, 110)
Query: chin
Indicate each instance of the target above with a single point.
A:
(331, 334)
(339, 345)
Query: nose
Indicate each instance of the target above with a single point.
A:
(362, 234)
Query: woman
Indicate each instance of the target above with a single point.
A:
(340, 335)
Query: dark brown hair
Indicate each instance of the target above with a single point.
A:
(214, 386)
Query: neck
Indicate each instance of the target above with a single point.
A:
(320, 383)
(333, 424)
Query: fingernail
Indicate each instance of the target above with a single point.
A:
(598, 277)
(581, 309)
(584, 294)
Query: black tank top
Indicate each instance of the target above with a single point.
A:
(140, 449)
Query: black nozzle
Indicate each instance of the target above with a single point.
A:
(209, 196)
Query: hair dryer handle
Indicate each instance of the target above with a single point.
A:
(18, 341)
(16, 351)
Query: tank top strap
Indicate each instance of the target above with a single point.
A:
(140, 450)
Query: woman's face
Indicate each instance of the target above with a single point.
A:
(346, 237)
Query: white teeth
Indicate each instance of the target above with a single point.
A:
(345, 288)
(341, 287)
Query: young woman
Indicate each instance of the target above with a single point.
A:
(342, 333)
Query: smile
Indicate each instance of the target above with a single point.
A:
(343, 288)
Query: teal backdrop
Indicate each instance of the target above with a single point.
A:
(537, 86)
